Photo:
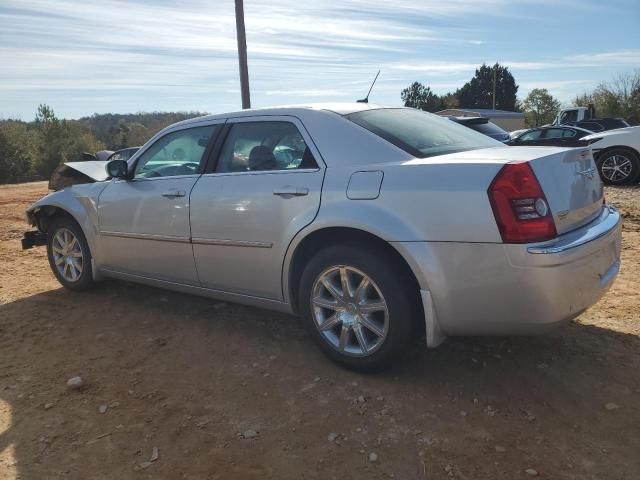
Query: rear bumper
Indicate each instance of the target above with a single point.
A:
(500, 289)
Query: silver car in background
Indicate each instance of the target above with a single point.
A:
(368, 222)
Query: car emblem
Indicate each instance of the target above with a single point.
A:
(588, 173)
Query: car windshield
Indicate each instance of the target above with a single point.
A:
(487, 128)
(421, 134)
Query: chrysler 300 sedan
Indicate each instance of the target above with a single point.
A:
(370, 223)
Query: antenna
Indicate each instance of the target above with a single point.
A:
(366, 99)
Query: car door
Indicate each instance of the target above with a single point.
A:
(263, 189)
(144, 221)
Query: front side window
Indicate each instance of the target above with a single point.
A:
(421, 134)
(177, 153)
(261, 146)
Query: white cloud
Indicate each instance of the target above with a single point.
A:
(137, 53)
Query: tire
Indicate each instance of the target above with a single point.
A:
(618, 166)
(385, 333)
(69, 259)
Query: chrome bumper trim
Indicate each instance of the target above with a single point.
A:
(601, 229)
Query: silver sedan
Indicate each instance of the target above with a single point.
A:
(373, 224)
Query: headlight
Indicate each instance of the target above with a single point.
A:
(593, 140)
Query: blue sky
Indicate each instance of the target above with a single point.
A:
(123, 56)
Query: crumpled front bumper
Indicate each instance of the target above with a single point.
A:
(34, 238)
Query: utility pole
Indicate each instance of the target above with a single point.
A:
(495, 67)
(242, 55)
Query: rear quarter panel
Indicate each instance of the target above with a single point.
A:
(419, 201)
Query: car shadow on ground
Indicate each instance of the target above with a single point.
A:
(164, 363)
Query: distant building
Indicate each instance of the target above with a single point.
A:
(509, 121)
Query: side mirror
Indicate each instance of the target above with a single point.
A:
(117, 169)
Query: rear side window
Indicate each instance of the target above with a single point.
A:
(421, 134)
(529, 136)
(555, 133)
(262, 146)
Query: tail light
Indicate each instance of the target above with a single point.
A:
(519, 205)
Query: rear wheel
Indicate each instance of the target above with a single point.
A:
(618, 166)
(69, 255)
(357, 307)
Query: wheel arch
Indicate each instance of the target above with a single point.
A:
(78, 203)
(42, 215)
(617, 147)
(599, 158)
(306, 246)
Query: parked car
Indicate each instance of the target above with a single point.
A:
(515, 133)
(550, 136)
(617, 154)
(484, 126)
(368, 222)
(585, 117)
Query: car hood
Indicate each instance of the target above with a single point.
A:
(611, 133)
(95, 169)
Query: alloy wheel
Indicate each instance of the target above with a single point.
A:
(616, 168)
(349, 311)
(67, 254)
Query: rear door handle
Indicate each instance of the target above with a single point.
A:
(174, 193)
(291, 191)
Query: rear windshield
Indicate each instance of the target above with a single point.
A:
(487, 128)
(419, 133)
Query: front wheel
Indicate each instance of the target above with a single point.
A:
(69, 255)
(618, 166)
(357, 306)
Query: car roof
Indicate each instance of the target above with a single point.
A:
(338, 108)
(547, 127)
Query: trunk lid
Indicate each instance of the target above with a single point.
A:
(568, 177)
(570, 181)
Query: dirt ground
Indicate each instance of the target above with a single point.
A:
(186, 377)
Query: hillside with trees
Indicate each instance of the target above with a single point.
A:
(32, 150)
(617, 98)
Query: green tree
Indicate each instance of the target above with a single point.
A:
(478, 92)
(81, 141)
(419, 96)
(539, 107)
(449, 101)
(138, 134)
(618, 98)
(15, 151)
(53, 139)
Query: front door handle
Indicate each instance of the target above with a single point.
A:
(291, 191)
(174, 193)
